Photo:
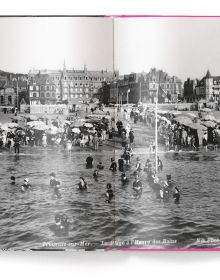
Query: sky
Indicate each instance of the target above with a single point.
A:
(44, 43)
(184, 47)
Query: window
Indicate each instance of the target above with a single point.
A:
(53, 94)
(87, 95)
(47, 88)
(2, 100)
(42, 87)
(34, 94)
(42, 95)
(76, 95)
(34, 88)
(48, 94)
(34, 81)
(80, 95)
(47, 81)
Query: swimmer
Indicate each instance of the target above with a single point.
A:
(109, 193)
(64, 223)
(61, 226)
(169, 181)
(89, 161)
(138, 165)
(147, 165)
(53, 179)
(124, 179)
(82, 185)
(176, 195)
(121, 164)
(57, 190)
(137, 185)
(164, 190)
(58, 219)
(113, 166)
(159, 164)
(95, 174)
(100, 166)
(26, 186)
(12, 180)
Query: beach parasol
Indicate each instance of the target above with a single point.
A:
(197, 126)
(4, 127)
(52, 130)
(33, 123)
(12, 125)
(31, 117)
(206, 110)
(76, 130)
(217, 120)
(18, 118)
(209, 124)
(89, 125)
(209, 118)
(185, 120)
(42, 126)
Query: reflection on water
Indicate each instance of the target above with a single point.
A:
(27, 220)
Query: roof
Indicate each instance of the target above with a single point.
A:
(208, 74)
(41, 79)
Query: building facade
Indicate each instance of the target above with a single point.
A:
(70, 86)
(209, 87)
(145, 87)
(13, 89)
(189, 91)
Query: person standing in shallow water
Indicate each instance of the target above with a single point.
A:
(109, 193)
(113, 166)
(82, 185)
(12, 180)
(26, 185)
(89, 161)
(176, 195)
(159, 164)
(57, 189)
(137, 186)
(17, 144)
(53, 179)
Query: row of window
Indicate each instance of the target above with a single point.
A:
(43, 95)
(81, 78)
(53, 95)
(58, 78)
(75, 96)
(91, 85)
(3, 99)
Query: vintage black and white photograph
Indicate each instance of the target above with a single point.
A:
(109, 133)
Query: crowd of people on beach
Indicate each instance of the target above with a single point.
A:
(176, 134)
(93, 136)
